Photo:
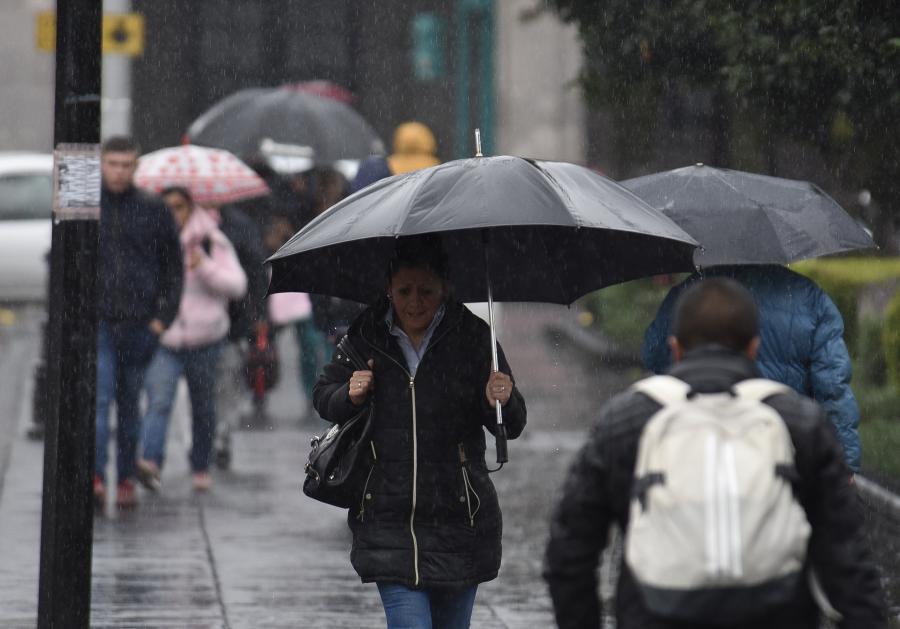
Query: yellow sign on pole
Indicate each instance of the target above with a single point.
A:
(46, 31)
(123, 33)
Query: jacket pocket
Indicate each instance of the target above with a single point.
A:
(468, 495)
(366, 497)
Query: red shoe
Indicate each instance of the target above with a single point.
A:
(201, 481)
(99, 492)
(126, 495)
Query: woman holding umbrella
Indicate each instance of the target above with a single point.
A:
(427, 529)
(193, 343)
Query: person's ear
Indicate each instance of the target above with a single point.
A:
(676, 348)
(753, 348)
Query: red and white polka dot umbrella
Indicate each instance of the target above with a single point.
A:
(213, 176)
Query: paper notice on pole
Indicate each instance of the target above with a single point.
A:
(76, 182)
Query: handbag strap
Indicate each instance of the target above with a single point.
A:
(347, 347)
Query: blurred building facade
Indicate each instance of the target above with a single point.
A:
(453, 64)
(27, 75)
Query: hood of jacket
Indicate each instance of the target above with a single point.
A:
(208, 287)
(414, 148)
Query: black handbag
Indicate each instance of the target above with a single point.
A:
(340, 460)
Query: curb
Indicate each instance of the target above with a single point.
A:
(597, 347)
(874, 492)
(592, 345)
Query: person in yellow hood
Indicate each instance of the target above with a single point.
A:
(414, 148)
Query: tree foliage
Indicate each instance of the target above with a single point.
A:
(818, 71)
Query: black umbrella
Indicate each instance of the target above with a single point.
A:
(513, 229)
(744, 218)
(286, 125)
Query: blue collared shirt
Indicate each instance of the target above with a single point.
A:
(410, 353)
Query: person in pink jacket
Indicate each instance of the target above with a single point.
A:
(193, 343)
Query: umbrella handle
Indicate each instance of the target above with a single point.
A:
(500, 434)
(500, 439)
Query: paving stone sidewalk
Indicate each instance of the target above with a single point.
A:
(254, 552)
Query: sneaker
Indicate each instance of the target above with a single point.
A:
(126, 494)
(201, 481)
(148, 473)
(99, 492)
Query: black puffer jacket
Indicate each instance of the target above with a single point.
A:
(598, 490)
(429, 515)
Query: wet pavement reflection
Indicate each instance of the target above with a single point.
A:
(254, 552)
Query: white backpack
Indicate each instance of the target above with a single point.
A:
(715, 532)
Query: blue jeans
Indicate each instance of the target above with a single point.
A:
(426, 609)
(123, 351)
(199, 368)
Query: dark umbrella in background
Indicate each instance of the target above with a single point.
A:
(745, 218)
(513, 229)
(293, 127)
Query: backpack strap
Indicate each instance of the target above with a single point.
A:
(759, 388)
(664, 390)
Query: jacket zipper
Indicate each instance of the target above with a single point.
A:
(412, 514)
(412, 390)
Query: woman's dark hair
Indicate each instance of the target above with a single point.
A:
(178, 190)
(419, 252)
(718, 311)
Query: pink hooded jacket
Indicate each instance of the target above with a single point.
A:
(208, 287)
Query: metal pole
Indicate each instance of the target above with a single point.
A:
(64, 589)
(500, 435)
(116, 94)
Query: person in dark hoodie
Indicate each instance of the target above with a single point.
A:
(714, 343)
(139, 278)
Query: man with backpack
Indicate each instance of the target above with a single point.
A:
(732, 493)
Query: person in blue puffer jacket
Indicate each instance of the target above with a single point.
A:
(802, 346)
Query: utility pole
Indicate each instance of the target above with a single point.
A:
(116, 95)
(64, 591)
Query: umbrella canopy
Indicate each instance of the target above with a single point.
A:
(548, 231)
(212, 176)
(744, 218)
(294, 128)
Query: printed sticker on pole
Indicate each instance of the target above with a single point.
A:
(76, 182)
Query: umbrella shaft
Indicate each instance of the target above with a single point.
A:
(494, 360)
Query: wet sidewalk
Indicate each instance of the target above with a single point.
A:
(254, 551)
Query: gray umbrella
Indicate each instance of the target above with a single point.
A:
(249, 121)
(513, 229)
(744, 218)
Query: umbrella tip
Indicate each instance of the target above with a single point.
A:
(478, 143)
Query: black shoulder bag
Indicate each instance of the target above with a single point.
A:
(336, 469)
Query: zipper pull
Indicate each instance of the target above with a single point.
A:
(412, 383)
